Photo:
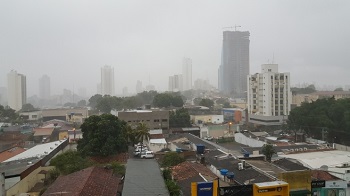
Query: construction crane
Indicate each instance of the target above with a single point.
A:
(235, 27)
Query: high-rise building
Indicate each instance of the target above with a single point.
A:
(201, 84)
(187, 73)
(175, 83)
(44, 87)
(269, 96)
(139, 88)
(107, 80)
(234, 67)
(16, 90)
(125, 91)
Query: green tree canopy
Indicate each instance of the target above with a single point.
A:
(69, 162)
(268, 151)
(27, 107)
(81, 103)
(142, 132)
(172, 159)
(322, 114)
(8, 114)
(207, 103)
(166, 100)
(93, 101)
(102, 136)
(179, 118)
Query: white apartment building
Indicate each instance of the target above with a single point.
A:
(16, 90)
(175, 83)
(269, 96)
(107, 80)
(187, 73)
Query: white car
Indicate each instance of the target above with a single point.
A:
(147, 155)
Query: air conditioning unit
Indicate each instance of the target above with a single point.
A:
(240, 166)
(292, 150)
(296, 150)
(305, 149)
(301, 149)
(347, 171)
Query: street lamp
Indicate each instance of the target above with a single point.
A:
(229, 127)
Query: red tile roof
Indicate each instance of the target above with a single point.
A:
(92, 181)
(10, 153)
(187, 170)
(322, 175)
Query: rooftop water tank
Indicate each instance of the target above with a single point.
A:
(223, 172)
(230, 175)
(200, 148)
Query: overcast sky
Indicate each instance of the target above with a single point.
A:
(147, 39)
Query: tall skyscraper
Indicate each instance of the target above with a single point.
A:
(175, 83)
(44, 87)
(269, 96)
(187, 73)
(139, 87)
(234, 67)
(16, 90)
(107, 80)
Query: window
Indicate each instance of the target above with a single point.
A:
(164, 120)
(156, 120)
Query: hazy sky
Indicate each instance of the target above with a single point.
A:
(147, 39)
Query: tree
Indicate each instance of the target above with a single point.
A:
(7, 114)
(69, 162)
(93, 101)
(102, 136)
(173, 188)
(179, 118)
(27, 107)
(227, 105)
(81, 103)
(268, 151)
(172, 159)
(142, 132)
(338, 89)
(130, 134)
(207, 103)
(166, 100)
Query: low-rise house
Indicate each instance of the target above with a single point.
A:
(42, 135)
(90, 181)
(11, 152)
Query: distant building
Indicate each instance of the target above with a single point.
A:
(139, 88)
(16, 90)
(125, 91)
(234, 67)
(107, 80)
(82, 92)
(150, 87)
(153, 119)
(175, 83)
(269, 96)
(201, 84)
(298, 99)
(44, 87)
(187, 73)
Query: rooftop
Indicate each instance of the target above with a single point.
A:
(289, 165)
(4, 155)
(36, 151)
(90, 181)
(322, 175)
(315, 160)
(43, 131)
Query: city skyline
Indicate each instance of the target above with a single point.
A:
(147, 40)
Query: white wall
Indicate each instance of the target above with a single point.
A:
(251, 142)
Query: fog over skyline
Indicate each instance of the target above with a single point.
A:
(146, 40)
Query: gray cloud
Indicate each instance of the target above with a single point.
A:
(146, 40)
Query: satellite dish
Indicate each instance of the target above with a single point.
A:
(324, 167)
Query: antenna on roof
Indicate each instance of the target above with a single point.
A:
(273, 58)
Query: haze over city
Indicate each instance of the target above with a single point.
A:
(147, 40)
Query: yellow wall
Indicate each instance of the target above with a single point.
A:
(297, 179)
(28, 182)
(281, 190)
(62, 135)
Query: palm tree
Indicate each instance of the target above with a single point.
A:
(142, 132)
(268, 151)
(130, 134)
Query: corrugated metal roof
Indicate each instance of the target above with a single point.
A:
(143, 177)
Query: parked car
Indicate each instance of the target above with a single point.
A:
(138, 152)
(147, 155)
